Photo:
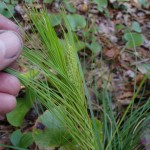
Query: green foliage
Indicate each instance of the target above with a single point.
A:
(61, 69)
(16, 117)
(26, 140)
(116, 133)
(7, 8)
(69, 6)
(102, 4)
(55, 19)
(13, 2)
(132, 34)
(119, 27)
(15, 137)
(144, 3)
(95, 47)
(29, 1)
(136, 27)
(21, 140)
(147, 67)
(50, 132)
(144, 68)
(48, 1)
(79, 45)
(100, 129)
(133, 39)
(76, 21)
(122, 130)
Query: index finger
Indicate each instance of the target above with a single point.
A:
(6, 24)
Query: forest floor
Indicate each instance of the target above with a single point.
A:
(114, 50)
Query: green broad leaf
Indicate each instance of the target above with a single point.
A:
(48, 1)
(21, 140)
(133, 39)
(102, 4)
(6, 10)
(69, 7)
(76, 21)
(136, 27)
(29, 1)
(50, 132)
(144, 3)
(16, 117)
(55, 19)
(2, 7)
(95, 47)
(26, 140)
(80, 45)
(119, 27)
(15, 137)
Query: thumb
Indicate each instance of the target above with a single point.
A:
(10, 47)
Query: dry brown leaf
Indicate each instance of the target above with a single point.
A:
(138, 79)
(125, 95)
(125, 98)
(83, 7)
(112, 53)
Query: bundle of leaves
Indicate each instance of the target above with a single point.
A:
(59, 86)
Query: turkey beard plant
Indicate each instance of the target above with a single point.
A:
(62, 88)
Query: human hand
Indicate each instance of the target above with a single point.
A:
(10, 48)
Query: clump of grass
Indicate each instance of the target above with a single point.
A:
(62, 87)
(123, 132)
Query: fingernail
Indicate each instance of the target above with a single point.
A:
(10, 43)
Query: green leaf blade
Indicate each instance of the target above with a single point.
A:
(133, 39)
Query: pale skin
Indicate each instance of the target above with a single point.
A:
(10, 48)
